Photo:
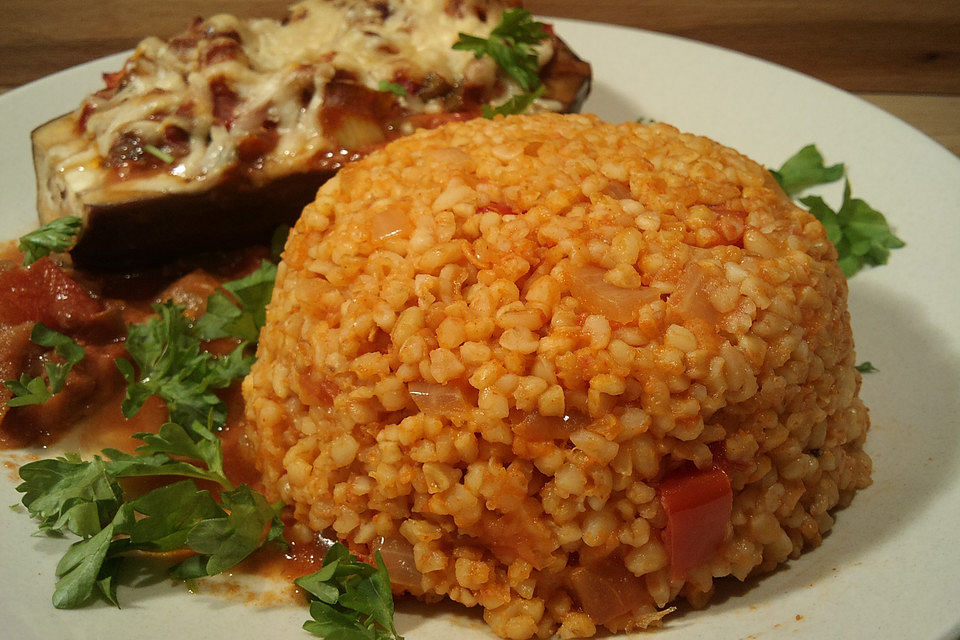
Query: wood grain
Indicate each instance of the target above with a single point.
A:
(893, 51)
(859, 45)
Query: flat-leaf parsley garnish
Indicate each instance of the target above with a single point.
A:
(242, 313)
(29, 390)
(805, 169)
(866, 367)
(350, 599)
(859, 232)
(87, 499)
(171, 364)
(517, 104)
(511, 45)
(54, 237)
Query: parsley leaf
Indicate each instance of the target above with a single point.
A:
(517, 104)
(392, 87)
(27, 390)
(170, 512)
(172, 439)
(352, 598)
(859, 232)
(806, 169)
(53, 237)
(866, 367)
(171, 365)
(243, 314)
(79, 568)
(34, 390)
(511, 46)
(67, 493)
(225, 541)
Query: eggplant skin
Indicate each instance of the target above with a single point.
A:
(125, 229)
(147, 231)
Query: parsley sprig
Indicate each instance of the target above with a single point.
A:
(511, 45)
(168, 352)
(54, 237)
(517, 104)
(805, 169)
(240, 309)
(86, 498)
(89, 499)
(171, 364)
(350, 599)
(35, 390)
(859, 232)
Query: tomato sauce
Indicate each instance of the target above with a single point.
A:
(95, 309)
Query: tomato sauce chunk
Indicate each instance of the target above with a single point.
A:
(698, 505)
(43, 292)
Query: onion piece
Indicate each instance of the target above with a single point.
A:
(607, 591)
(388, 223)
(397, 555)
(617, 190)
(690, 299)
(539, 428)
(599, 296)
(438, 399)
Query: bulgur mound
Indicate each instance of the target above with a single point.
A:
(489, 344)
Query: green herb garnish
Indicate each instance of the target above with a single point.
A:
(806, 169)
(171, 364)
(860, 233)
(511, 46)
(243, 313)
(86, 498)
(517, 104)
(351, 599)
(53, 237)
(392, 87)
(28, 390)
(866, 367)
(161, 155)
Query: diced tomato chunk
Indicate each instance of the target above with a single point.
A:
(43, 292)
(698, 505)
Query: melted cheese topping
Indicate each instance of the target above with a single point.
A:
(267, 73)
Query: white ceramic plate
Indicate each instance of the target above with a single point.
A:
(890, 567)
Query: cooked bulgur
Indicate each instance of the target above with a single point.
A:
(491, 346)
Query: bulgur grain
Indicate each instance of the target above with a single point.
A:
(570, 313)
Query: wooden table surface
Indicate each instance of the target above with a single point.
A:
(901, 56)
